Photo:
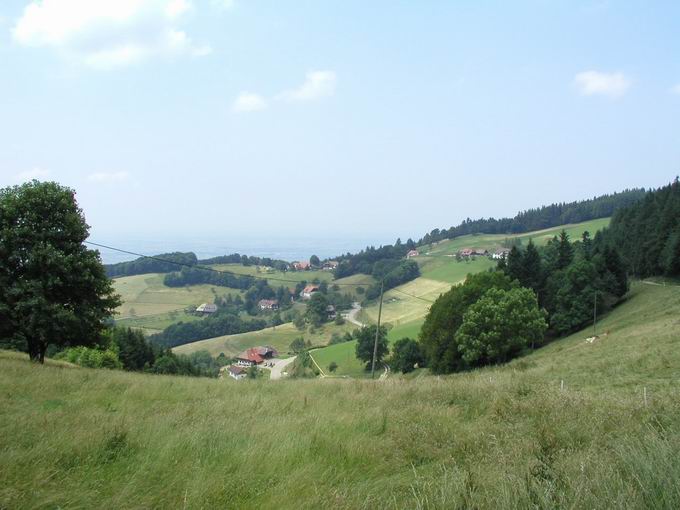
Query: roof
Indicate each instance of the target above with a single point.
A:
(412, 253)
(301, 264)
(257, 354)
(207, 308)
(311, 288)
(233, 369)
(269, 302)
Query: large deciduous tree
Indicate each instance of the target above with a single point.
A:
(365, 344)
(53, 290)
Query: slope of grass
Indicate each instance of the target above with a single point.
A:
(280, 338)
(504, 437)
(274, 276)
(148, 303)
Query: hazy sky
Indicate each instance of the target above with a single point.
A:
(346, 119)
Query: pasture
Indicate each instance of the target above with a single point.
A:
(150, 305)
(502, 437)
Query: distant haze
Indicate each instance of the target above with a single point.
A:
(318, 127)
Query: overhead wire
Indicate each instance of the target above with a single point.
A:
(233, 273)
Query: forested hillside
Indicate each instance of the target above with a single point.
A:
(163, 263)
(648, 233)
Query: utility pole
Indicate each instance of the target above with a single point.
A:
(595, 314)
(377, 331)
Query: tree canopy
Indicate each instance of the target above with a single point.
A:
(53, 290)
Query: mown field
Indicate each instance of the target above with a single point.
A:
(503, 437)
(148, 304)
(280, 338)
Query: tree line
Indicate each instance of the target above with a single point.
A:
(648, 233)
(144, 265)
(219, 324)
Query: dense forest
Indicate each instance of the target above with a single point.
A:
(533, 219)
(648, 233)
(163, 263)
(168, 262)
(219, 324)
(547, 216)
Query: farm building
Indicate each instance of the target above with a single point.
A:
(269, 304)
(412, 253)
(501, 253)
(330, 310)
(206, 309)
(255, 356)
(301, 266)
(308, 291)
(236, 372)
(329, 265)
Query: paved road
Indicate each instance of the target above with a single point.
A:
(352, 315)
(280, 367)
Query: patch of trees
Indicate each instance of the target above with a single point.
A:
(153, 264)
(246, 260)
(571, 279)
(407, 354)
(364, 261)
(365, 338)
(198, 275)
(394, 272)
(53, 290)
(648, 233)
(127, 349)
(487, 319)
(218, 324)
(543, 217)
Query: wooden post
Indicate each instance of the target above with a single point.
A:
(644, 395)
(562, 385)
(377, 331)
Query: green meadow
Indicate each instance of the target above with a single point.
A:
(279, 337)
(277, 278)
(573, 425)
(150, 305)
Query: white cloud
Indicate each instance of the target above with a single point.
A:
(590, 83)
(249, 102)
(223, 4)
(108, 177)
(317, 84)
(676, 89)
(29, 175)
(105, 34)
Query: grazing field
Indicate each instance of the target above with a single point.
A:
(145, 296)
(448, 269)
(274, 277)
(280, 338)
(494, 241)
(503, 437)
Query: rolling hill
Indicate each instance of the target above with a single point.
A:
(512, 436)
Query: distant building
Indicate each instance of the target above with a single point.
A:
(501, 253)
(269, 304)
(236, 372)
(466, 252)
(480, 251)
(330, 311)
(255, 356)
(206, 309)
(301, 266)
(330, 265)
(308, 291)
(412, 253)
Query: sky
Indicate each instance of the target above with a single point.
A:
(334, 120)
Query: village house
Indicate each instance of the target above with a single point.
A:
(206, 309)
(255, 356)
(501, 253)
(301, 266)
(236, 372)
(330, 265)
(269, 304)
(412, 253)
(466, 252)
(308, 291)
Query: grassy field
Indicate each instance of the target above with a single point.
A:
(493, 241)
(503, 437)
(279, 338)
(291, 277)
(149, 304)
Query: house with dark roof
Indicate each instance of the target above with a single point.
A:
(255, 356)
(308, 291)
(269, 304)
(412, 253)
(206, 309)
(236, 372)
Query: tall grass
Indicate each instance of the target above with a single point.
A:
(504, 437)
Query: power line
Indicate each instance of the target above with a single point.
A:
(221, 271)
